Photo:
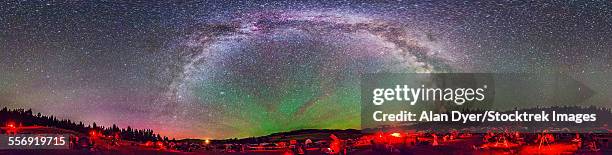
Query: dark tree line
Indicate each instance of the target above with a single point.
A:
(23, 117)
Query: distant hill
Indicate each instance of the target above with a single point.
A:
(303, 134)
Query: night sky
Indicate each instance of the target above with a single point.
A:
(239, 68)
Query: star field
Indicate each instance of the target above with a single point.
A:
(246, 68)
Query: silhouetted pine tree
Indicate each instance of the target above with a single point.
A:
(26, 118)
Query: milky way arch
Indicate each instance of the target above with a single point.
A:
(278, 71)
